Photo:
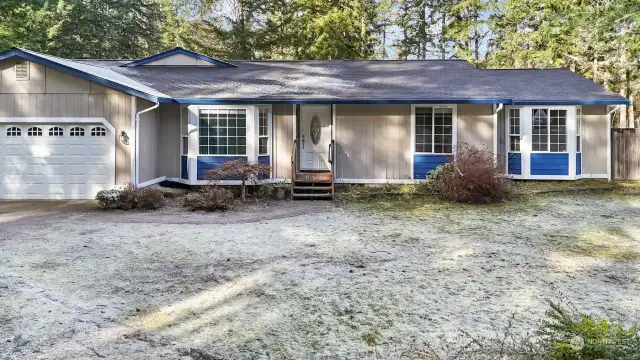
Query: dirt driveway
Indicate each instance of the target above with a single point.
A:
(302, 280)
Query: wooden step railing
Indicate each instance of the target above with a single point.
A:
(293, 166)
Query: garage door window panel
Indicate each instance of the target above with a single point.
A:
(14, 131)
(34, 131)
(76, 131)
(98, 131)
(56, 131)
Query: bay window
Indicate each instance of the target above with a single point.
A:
(549, 130)
(434, 130)
(514, 130)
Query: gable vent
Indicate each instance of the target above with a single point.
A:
(22, 70)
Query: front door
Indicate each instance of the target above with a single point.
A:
(315, 137)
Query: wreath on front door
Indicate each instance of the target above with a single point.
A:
(315, 130)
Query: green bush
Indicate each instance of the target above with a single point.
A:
(568, 335)
(209, 198)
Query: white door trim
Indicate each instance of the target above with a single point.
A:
(323, 146)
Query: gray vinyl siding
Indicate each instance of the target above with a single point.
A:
(168, 147)
(282, 140)
(51, 93)
(475, 125)
(594, 139)
(373, 142)
(148, 154)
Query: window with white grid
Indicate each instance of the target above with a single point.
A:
(223, 131)
(184, 131)
(56, 131)
(34, 131)
(14, 131)
(76, 131)
(98, 131)
(578, 130)
(514, 130)
(263, 131)
(549, 130)
(434, 130)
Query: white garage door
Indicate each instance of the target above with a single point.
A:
(55, 161)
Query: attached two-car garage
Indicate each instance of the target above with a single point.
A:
(55, 160)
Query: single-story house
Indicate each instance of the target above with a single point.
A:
(69, 128)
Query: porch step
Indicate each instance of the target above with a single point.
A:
(312, 196)
(321, 177)
(318, 188)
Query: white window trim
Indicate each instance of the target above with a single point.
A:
(269, 135)
(251, 130)
(579, 126)
(454, 135)
(566, 125)
(182, 136)
(509, 134)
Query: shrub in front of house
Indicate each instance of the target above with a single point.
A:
(473, 176)
(247, 172)
(150, 199)
(209, 198)
(130, 197)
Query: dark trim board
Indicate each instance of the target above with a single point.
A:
(203, 101)
(175, 51)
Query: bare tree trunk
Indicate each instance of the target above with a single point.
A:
(631, 113)
(595, 69)
(443, 39)
(622, 122)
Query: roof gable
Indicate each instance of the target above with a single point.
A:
(179, 57)
(100, 75)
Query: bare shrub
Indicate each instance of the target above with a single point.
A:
(471, 177)
(209, 198)
(130, 197)
(150, 199)
(247, 172)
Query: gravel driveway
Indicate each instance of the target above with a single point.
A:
(301, 280)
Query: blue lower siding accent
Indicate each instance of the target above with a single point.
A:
(211, 162)
(184, 174)
(264, 159)
(423, 163)
(514, 163)
(549, 164)
(579, 164)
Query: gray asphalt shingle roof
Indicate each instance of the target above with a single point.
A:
(427, 80)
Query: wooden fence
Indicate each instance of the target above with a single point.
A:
(625, 156)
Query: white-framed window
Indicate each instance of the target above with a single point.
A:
(434, 128)
(76, 131)
(98, 131)
(34, 131)
(515, 134)
(14, 131)
(263, 131)
(578, 129)
(223, 131)
(22, 70)
(549, 130)
(56, 131)
(184, 131)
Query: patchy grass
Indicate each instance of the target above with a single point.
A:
(602, 243)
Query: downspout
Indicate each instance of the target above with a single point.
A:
(137, 139)
(495, 130)
(612, 111)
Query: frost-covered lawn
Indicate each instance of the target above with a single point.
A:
(298, 280)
